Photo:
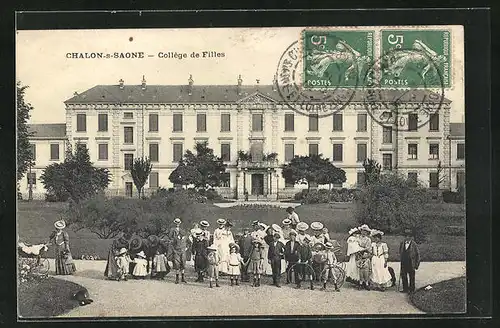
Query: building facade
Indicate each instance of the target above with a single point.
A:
(120, 122)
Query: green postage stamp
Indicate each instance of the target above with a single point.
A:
(416, 59)
(336, 59)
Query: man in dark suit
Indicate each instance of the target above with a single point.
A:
(274, 255)
(410, 261)
(246, 247)
(292, 256)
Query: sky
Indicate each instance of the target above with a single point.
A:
(253, 53)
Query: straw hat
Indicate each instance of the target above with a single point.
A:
(376, 232)
(177, 221)
(141, 254)
(365, 227)
(204, 224)
(328, 245)
(60, 224)
(302, 226)
(221, 221)
(263, 226)
(316, 226)
(197, 231)
(255, 223)
(320, 245)
(293, 232)
(212, 248)
(286, 222)
(353, 230)
(122, 251)
(276, 227)
(234, 245)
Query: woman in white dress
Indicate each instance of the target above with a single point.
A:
(352, 273)
(380, 277)
(222, 238)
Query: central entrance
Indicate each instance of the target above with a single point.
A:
(257, 184)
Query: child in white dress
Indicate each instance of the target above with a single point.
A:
(235, 260)
(122, 261)
(141, 266)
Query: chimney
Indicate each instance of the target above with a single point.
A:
(240, 81)
(190, 87)
(143, 83)
(121, 84)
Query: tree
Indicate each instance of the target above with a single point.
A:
(210, 167)
(441, 175)
(185, 175)
(24, 155)
(372, 170)
(141, 168)
(313, 170)
(76, 178)
(393, 203)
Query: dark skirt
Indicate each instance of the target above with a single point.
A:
(200, 263)
(111, 270)
(64, 262)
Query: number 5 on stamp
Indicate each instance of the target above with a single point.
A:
(336, 59)
(416, 59)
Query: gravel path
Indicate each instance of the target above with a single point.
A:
(164, 298)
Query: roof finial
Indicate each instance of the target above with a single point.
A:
(190, 87)
(143, 83)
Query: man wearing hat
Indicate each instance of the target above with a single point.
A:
(178, 247)
(245, 243)
(293, 217)
(410, 261)
(292, 255)
(285, 230)
(305, 256)
(206, 234)
(275, 255)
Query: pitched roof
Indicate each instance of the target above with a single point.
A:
(213, 94)
(457, 129)
(52, 130)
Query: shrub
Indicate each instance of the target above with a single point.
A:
(454, 197)
(455, 230)
(321, 196)
(27, 268)
(52, 197)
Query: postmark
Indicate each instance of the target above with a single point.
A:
(402, 108)
(316, 101)
(415, 58)
(336, 58)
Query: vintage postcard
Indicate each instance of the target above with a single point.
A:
(241, 171)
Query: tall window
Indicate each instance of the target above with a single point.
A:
(177, 149)
(337, 152)
(434, 151)
(337, 122)
(201, 122)
(387, 134)
(225, 122)
(128, 132)
(177, 122)
(153, 152)
(362, 151)
(412, 178)
(412, 122)
(154, 180)
(289, 122)
(360, 179)
(225, 152)
(128, 160)
(387, 161)
(128, 115)
(412, 151)
(313, 149)
(81, 122)
(460, 179)
(31, 178)
(225, 179)
(257, 123)
(313, 122)
(460, 151)
(33, 152)
(102, 152)
(102, 122)
(433, 180)
(362, 122)
(54, 151)
(434, 122)
(289, 152)
(153, 122)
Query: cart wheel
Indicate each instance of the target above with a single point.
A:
(301, 269)
(337, 275)
(42, 268)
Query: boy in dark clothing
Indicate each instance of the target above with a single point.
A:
(410, 261)
(245, 244)
(274, 255)
(292, 256)
(305, 256)
(199, 251)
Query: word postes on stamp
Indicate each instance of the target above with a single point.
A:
(336, 59)
(415, 58)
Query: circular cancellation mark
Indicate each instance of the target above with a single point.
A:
(393, 106)
(320, 102)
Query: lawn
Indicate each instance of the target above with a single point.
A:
(47, 298)
(35, 223)
(445, 297)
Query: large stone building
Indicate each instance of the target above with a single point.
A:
(120, 122)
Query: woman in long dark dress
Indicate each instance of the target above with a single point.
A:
(64, 260)
(111, 271)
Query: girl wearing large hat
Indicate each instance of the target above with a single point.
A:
(286, 228)
(213, 260)
(222, 238)
(141, 266)
(235, 261)
(380, 276)
(352, 271)
(301, 232)
(257, 259)
(318, 237)
(64, 260)
(122, 261)
(363, 257)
